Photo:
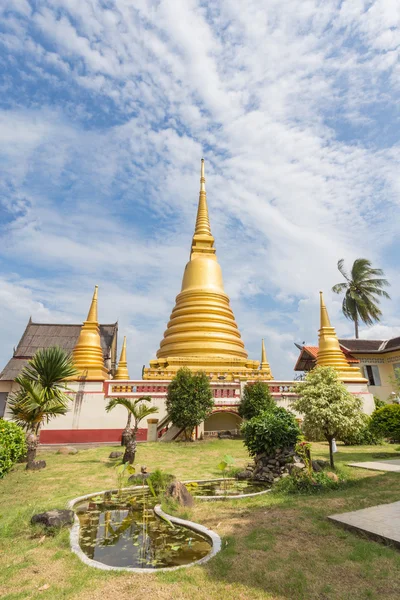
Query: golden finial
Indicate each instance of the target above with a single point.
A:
(88, 354)
(202, 220)
(263, 353)
(122, 371)
(330, 353)
(92, 314)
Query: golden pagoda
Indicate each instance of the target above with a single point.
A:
(122, 370)
(202, 333)
(88, 354)
(329, 352)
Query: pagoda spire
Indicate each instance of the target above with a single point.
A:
(264, 366)
(88, 354)
(122, 370)
(203, 241)
(329, 352)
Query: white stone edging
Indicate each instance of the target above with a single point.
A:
(75, 547)
(227, 496)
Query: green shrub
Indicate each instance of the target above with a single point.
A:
(256, 399)
(379, 403)
(12, 445)
(273, 429)
(159, 481)
(385, 421)
(364, 437)
(301, 483)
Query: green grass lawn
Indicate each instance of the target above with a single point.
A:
(274, 547)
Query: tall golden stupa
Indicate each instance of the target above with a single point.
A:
(330, 353)
(202, 333)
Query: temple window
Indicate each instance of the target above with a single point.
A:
(371, 372)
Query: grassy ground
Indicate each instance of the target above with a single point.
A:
(274, 547)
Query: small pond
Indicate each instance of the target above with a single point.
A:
(226, 487)
(122, 530)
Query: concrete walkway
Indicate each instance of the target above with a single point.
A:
(379, 465)
(379, 522)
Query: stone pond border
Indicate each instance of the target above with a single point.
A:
(227, 496)
(75, 547)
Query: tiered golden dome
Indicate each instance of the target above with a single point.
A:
(329, 352)
(122, 370)
(202, 332)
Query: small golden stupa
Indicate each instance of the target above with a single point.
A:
(122, 370)
(88, 354)
(202, 333)
(329, 352)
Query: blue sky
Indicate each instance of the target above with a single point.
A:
(106, 108)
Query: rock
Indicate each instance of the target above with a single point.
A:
(316, 467)
(332, 476)
(67, 450)
(115, 454)
(54, 518)
(322, 463)
(179, 492)
(36, 466)
(244, 475)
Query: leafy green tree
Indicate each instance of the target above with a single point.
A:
(386, 421)
(256, 399)
(270, 430)
(329, 410)
(363, 288)
(137, 410)
(42, 394)
(189, 400)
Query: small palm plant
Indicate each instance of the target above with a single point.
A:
(42, 394)
(362, 288)
(137, 410)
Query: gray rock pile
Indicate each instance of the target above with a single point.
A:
(271, 467)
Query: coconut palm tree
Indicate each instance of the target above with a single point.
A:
(41, 395)
(137, 410)
(363, 289)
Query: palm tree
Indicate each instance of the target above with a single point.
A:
(363, 288)
(41, 395)
(138, 411)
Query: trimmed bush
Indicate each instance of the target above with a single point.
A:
(379, 403)
(12, 445)
(364, 437)
(256, 399)
(273, 429)
(385, 421)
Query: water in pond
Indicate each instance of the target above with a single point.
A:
(228, 487)
(123, 531)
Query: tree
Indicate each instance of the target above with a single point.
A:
(363, 289)
(328, 408)
(256, 399)
(42, 393)
(189, 400)
(137, 410)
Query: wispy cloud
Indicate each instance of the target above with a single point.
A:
(105, 113)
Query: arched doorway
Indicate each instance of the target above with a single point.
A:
(222, 421)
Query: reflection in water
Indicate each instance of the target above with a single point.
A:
(227, 487)
(122, 530)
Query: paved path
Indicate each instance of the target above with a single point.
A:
(379, 465)
(379, 522)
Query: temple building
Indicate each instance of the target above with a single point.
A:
(201, 334)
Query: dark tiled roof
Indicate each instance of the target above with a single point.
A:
(392, 344)
(40, 335)
(362, 345)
